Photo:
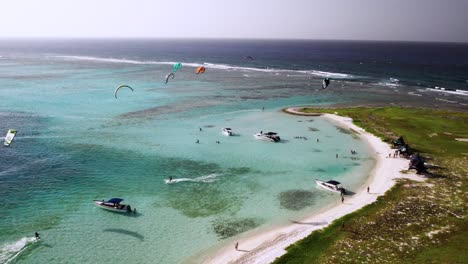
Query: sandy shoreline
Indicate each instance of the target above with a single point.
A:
(267, 246)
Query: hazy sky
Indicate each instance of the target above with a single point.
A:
(420, 20)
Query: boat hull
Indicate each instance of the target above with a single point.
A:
(322, 185)
(122, 208)
(9, 137)
(227, 132)
(264, 138)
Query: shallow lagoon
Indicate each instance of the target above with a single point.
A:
(77, 143)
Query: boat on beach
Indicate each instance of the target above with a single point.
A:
(269, 136)
(331, 185)
(227, 131)
(113, 205)
(9, 137)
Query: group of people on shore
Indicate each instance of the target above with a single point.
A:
(395, 154)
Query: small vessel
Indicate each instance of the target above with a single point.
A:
(331, 185)
(113, 205)
(227, 131)
(269, 136)
(9, 137)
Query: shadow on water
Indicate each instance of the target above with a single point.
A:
(129, 214)
(125, 232)
(349, 193)
(309, 223)
(296, 200)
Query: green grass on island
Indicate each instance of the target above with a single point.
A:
(414, 222)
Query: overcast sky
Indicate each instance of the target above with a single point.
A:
(414, 20)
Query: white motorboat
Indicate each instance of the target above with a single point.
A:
(113, 205)
(331, 185)
(269, 136)
(227, 131)
(9, 137)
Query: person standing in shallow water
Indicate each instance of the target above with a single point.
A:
(337, 155)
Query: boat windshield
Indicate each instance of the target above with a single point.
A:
(333, 182)
(115, 200)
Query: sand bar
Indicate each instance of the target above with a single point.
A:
(267, 246)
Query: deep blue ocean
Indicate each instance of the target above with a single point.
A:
(412, 63)
(76, 142)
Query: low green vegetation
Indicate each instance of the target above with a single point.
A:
(414, 222)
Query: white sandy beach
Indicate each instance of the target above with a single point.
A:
(267, 246)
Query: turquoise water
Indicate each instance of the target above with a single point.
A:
(77, 143)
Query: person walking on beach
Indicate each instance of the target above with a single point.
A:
(368, 189)
(342, 199)
(237, 246)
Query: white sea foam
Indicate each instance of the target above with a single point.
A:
(391, 82)
(444, 90)
(211, 66)
(447, 101)
(206, 179)
(10, 251)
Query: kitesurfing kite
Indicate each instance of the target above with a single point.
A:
(121, 86)
(169, 75)
(325, 83)
(200, 70)
(176, 67)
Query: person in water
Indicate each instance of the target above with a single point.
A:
(200, 129)
(36, 234)
(198, 141)
(170, 178)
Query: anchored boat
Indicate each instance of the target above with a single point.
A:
(113, 205)
(9, 137)
(269, 136)
(227, 131)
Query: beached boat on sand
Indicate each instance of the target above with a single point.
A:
(113, 205)
(331, 185)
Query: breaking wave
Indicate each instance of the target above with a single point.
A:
(211, 66)
(205, 179)
(391, 82)
(448, 91)
(8, 252)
